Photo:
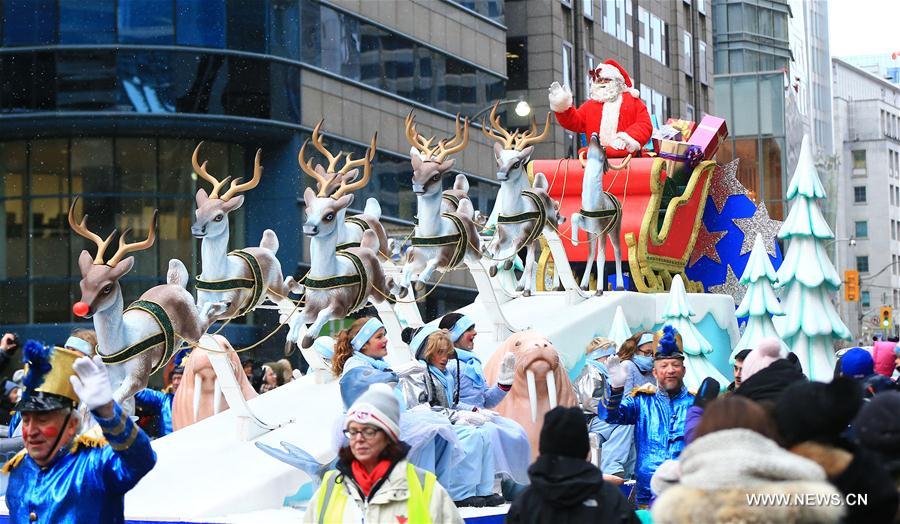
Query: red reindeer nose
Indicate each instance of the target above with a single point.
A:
(81, 309)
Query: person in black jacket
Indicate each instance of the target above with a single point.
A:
(565, 487)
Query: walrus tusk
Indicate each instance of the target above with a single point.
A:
(198, 382)
(551, 389)
(532, 394)
(217, 391)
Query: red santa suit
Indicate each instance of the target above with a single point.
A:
(625, 117)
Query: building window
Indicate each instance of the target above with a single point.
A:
(701, 7)
(200, 23)
(588, 8)
(609, 17)
(567, 3)
(862, 229)
(643, 31)
(893, 229)
(517, 63)
(83, 22)
(859, 194)
(859, 159)
(567, 64)
(656, 39)
(146, 22)
(865, 299)
(35, 22)
(702, 59)
(688, 54)
(589, 66)
(862, 264)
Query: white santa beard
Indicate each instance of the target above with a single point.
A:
(605, 92)
(609, 121)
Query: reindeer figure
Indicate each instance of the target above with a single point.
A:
(243, 279)
(351, 230)
(137, 341)
(338, 282)
(600, 215)
(442, 239)
(450, 199)
(524, 208)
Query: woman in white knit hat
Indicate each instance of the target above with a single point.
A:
(373, 481)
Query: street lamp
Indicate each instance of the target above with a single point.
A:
(851, 241)
(522, 109)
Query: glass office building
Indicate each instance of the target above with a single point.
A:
(106, 100)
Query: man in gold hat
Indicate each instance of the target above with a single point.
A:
(59, 478)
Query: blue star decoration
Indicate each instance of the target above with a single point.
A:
(730, 221)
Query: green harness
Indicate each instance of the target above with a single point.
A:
(256, 284)
(615, 213)
(358, 222)
(460, 239)
(539, 217)
(165, 336)
(338, 281)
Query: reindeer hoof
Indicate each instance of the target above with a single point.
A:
(419, 287)
(507, 265)
(403, 292)
(289, 349)
(599, 293)
(492, 271)
(526, 293)
(307, 342)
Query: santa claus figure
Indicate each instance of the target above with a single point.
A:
(615, 111)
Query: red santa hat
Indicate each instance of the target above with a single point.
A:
(611, 70)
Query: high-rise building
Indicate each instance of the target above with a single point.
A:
(884, 65)
(867, 140)
(108, 99)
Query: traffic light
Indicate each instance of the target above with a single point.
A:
(886, 317)
(851, 285)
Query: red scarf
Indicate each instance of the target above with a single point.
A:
(366, 480)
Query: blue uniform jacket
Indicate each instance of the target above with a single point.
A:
(659, 429)
(86, 482)
(158, 403)
(473, 391)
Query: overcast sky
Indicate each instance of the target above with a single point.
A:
(859, 27)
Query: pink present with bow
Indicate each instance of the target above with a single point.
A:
(709, 134)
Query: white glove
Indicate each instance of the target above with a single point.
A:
(507, 370)
(618, 374)
(490, 414)
(560, 97)
(469, 418)
(92, 382)
(617, 143)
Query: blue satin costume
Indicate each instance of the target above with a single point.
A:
(659, 422)
(159, 404)
(473, 390)
(83, 484)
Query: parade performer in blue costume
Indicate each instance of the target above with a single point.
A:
(512, 451)
(657, 412)
(59, 478)
(159, 403)
(358, 360)
(472, 478)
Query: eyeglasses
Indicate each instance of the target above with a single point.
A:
(367, 433)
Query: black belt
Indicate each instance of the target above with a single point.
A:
(615, 213)
(539, 217)
(166, 336)
(460, 239)
(451, 198)
(256, 284)
(338, 281)
(358, 222)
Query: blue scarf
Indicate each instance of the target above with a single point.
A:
(473, 368)
(601, 367)
(444, 378)
(643, 363)
(376, 363)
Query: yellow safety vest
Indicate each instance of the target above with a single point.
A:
(333, 498)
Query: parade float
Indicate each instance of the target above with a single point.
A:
(662, 218)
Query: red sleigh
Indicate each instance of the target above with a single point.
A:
(659, 243)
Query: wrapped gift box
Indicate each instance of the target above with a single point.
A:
(685, 126)
(709, 134)
(676, 169)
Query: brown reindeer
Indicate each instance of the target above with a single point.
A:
(442, 239)
(137, 341)
(338, 282)
(244, 278)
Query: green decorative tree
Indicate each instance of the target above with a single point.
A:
(760, 302)
(619, 332)
(807, 277)
(678, 314)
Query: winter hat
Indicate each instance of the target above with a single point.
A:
(611, 70)
(857, 363)
(878, 424)
(817, 411)
(564, 433)
(883, 355)
(668, 344)
(8, 387)
(768, 351)
(377, 407)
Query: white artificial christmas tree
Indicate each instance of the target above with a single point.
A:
(678, 314)
(759, 302)
(619, 332)
(807, 277)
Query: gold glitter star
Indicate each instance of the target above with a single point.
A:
(725, 184)
(758, 223)
(732, 286)
(706, 245)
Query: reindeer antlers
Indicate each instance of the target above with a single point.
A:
(326, 177)
(516, 140)
(124, 247)
(236, 186)
(443, 148)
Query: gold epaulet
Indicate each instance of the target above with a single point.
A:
(87, 441)
(646, 389)
(12, 463)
